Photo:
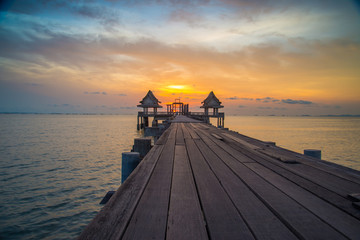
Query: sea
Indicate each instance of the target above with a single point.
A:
(56, 168)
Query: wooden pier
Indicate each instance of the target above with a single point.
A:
(202, 182)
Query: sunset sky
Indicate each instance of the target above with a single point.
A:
(258, 56)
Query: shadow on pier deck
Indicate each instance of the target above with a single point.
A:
(201, 182)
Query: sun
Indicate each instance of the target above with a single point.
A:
(177, 87)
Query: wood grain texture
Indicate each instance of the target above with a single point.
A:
(185, 220)
(222, 217)
(150, 216)
(201, 182)
(112, 220)
(252, 209)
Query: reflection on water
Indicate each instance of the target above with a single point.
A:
(337, 138)
(55, 169)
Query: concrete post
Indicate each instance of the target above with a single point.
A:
(130, 160)
(313, 153)
(142, 146)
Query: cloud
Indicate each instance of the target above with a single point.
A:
(332, 106)
(247, 99)
(96, 93)
(108, 17)
(290, 101)
(232, 98)
(267, 99)
(42, 50)
(121, 94)
(192, 18)
(241, 106)
(265, 108)
(64, 105)
(34, 84)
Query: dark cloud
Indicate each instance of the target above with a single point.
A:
(64, 105)
(233, 98)
(34, 84)
(128, 108)
(282, 109)
(108, 17)
(291, 101)
(192, 18)
(241, 106)
(267, 99)
(116, 108)
(332, 106)
(174, 3)
(121, 95)
(91, 9)
(287, 101)
(247, 99)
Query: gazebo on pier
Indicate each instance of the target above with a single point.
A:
(213, 102)
(178, 108)
(149, 101)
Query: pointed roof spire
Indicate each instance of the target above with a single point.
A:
(150, 101)
(211, 101)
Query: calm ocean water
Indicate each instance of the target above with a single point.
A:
(55, 169)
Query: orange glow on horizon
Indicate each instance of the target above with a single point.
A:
(178, 87)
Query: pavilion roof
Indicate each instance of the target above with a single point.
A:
(150, 101)
(211, 101)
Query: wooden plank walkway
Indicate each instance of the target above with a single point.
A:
(201, 182)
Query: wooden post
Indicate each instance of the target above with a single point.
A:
(138, 127)
(146, 121)
(142, 146)
(313, 153)
(130, 160)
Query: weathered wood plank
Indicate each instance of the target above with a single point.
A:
(185, 220)
(234, 153)
(320, 191)
(186, 133)
(179, 135)
(111, 221)
(304, 223)
(193, 133)
(150, 216)
(241, 141)
(263, 223)
(223, 219)
(216, 136)
(331, 168)
(163, 138)
(200, 182)
(323, 165)
(336, 218)
(332, 182)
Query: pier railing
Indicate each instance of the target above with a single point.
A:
(220, 114)
(152, 113)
